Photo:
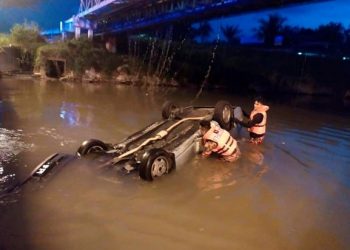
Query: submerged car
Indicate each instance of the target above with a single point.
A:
(154, 151)
(157, 149)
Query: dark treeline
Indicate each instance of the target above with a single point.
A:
(334, 36)
(290, 59)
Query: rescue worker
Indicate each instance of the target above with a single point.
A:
(219, 141)
(257, 121)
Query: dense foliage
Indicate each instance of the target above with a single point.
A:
(27, 37)
(304, 60)
(5, 40)
(79, 55)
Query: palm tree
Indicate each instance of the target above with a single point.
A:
(347, 39)
(270, 28)
(182, 30)
(204, 30)
(231, 34)
(291, 35)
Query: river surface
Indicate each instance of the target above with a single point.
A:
(293, 192)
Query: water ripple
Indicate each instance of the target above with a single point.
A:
(11, 144)
(326, 149)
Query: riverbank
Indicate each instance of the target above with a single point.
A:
(190, 65)
(324, 103)
(298, 89)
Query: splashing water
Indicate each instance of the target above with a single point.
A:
(52, 133)
(11, 144)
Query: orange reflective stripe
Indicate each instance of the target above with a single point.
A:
(227, 146)
(231, 149)
(259, 128)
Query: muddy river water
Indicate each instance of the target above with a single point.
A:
(293, 192)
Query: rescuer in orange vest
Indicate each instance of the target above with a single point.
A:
(219, 141)
(257, 121)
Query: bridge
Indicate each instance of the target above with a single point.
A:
(116, 16)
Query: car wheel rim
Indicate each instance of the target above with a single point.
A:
(159, 166)
(226, 114)
(95, 149)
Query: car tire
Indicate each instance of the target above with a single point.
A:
(156, 163)
(168, 109)
(223, 114)
(91, 146)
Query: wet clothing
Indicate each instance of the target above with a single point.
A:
(219, 141)
(256, 124)
(258, 128)
(256, 119)
(257, 140)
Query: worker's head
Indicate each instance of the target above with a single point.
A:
(258, 101)
(204, 126)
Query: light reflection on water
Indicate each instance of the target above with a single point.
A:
(73, 114)
(11, 144)
(290, 193)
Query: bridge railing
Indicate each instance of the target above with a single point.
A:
(87, 4)
(120, 15)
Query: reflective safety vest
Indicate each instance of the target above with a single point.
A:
(259, 128)
(226, 145)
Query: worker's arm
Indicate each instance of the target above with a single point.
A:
(246, 114)
(258, 118)
(208, 148)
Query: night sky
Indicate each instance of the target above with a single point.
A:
(49, 13)
(304, 15)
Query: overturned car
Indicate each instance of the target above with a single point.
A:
(152, 152)
(157, 149)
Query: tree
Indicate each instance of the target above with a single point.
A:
(347, 39)
(332, 33)
(27, 37)
(270, 28)
(231, 34)
(290, 35)
(306, 35)
(204, 30)
(184, 30)
(4, 40)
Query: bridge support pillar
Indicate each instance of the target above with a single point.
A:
(90, 33)
(63, 36)
(77, 32)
